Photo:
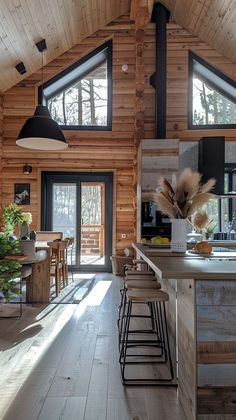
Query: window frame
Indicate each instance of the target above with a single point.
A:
(105, 48)
(218, 73)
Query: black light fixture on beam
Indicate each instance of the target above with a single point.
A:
(27, 169)
(41, 132)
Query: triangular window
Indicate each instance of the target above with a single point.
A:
(212, 96)
(80, 96)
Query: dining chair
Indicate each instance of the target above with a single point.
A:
(48, 235)
(58, 265)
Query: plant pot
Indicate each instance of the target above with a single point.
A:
(178, 235)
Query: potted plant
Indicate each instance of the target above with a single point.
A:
(9, 268)
(12, 216)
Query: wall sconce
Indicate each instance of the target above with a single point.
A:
(27, 169)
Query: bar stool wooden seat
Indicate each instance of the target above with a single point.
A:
(135, 282)
(159, 342)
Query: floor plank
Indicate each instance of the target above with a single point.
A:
(61, 362)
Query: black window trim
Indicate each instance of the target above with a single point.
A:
(107, 49)
(192, 57)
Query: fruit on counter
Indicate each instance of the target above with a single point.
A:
(156, 240)
(165, 240)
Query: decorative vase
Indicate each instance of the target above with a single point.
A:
(178, 235)
(24, 231)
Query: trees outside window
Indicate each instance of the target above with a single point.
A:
(209, 106)
(83, 103)
(212, 96)
(80, 96)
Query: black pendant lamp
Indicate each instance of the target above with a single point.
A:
(40, 131)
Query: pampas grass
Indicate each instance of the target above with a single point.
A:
(184, 196)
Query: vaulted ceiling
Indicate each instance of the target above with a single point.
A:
(63, 23)
(213, 21)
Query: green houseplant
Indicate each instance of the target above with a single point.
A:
(12, 216)
(9, 268)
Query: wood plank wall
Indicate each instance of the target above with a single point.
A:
(133, 113)
(179, 42)
(88, 151)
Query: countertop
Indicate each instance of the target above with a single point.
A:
(183, 266)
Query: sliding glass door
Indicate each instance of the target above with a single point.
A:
(80, 206)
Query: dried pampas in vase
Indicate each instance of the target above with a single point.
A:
(183, 199)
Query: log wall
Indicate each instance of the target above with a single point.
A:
(88, 151)
(179, 42)
(133, 115)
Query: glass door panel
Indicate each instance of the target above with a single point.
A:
(64, 210)
(80, 206)
(92, 224)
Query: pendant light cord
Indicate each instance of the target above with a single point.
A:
(42, 69)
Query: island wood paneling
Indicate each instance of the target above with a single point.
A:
(179, 42)
(216, 347)
(186, 346)
(88, 151)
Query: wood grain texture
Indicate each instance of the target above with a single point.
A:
(213, 22)
(216, 323)
(216, 400)
(186, 347)
(88, 151)
(219, 375)
(179, 42)
(216, 352)
(63, 360)
(217, 293)
(62, 24)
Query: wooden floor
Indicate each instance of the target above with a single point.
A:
(61, 362)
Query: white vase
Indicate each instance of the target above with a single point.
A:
(178, 235)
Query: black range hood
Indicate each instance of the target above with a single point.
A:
(211, 161)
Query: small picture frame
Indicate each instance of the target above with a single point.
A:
(22, 194)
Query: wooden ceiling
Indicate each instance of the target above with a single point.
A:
(213, 21)
(63, 23)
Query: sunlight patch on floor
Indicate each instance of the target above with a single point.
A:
(98, 292)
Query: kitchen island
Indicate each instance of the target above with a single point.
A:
(202, 327)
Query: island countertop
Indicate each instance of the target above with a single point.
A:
(184, 266)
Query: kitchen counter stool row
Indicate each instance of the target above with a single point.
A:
(142, 328)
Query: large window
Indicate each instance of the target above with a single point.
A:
(212, 96)
(80, 96)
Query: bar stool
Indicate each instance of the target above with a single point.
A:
(137, 285)
(135, 277)
(160, 341)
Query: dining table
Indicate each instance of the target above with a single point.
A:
(38, 283)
